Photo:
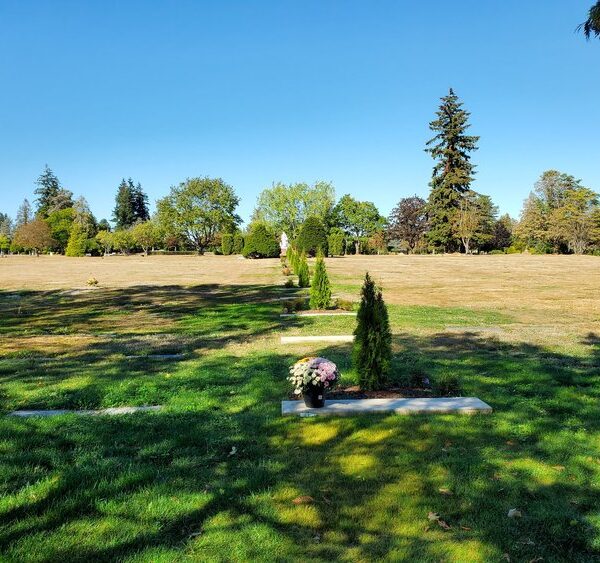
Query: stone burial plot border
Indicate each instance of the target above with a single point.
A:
(112, 411)
(352, 407)
(157, 357)
(325, 314)
(341, 339)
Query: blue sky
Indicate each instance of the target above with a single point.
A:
(256, 92)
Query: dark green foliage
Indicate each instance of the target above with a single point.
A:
(452, 173)
(104, 225)
(131, 205)
(312, 238)
(303, 272)
(227, 244)
(372, 352)
(238, 243)
(261, 243)
(47, 190)
(336, 242)
(447, 383)
(320, 289)
(591, 26)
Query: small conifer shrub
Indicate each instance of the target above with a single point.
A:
(372, 352)
(303, 272)
(320, 290)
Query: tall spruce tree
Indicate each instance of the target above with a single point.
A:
(123, 214)
(47, 190)
(453, 171)
(140, 202)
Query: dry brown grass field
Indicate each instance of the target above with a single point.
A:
(217, 471)
(552, 293)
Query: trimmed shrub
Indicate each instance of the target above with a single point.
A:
(303, 273)
(372, 354)
(78, 241)
(336, 242)
(238, 243)
(227, 244)
(320, 289)
(312, 238)
(261, 243)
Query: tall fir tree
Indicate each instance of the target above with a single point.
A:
(48, 189)
(131, 205)
(453, 171)
(140, 202)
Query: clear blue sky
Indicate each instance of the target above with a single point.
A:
(256, 92)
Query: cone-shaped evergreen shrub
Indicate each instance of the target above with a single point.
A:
(320, 289)
(372, 353)
(303, 273)
(238, 243)
(226, 244)
(312, 238)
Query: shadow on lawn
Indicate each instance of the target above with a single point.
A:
(214, 478)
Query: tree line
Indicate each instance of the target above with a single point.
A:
(561, 215)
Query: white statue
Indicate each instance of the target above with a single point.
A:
(283, 243)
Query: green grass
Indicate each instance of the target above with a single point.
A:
(213, 476)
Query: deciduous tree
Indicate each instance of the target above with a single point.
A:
(358, 219)
(34, 235)
(286, 206)
(198, 209)
(408, 221)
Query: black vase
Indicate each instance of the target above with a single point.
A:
(314, 396)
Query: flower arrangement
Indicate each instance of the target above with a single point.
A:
(310, 371)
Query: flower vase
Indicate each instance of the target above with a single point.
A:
(314, 396)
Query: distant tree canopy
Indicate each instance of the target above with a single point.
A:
(358, 219)
(452, 172)
(285, 207)
(131, 205)
(559, 215)
(198, 209)
(591, 26)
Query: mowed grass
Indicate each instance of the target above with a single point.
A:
(214, 476)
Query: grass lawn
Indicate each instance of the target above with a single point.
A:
(219, 475)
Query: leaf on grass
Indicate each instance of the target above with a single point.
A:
(303, 499)
(233, 451)
(558, 467)
(435, 517)
(445, 491)
(514, 513)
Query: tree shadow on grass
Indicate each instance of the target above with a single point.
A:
(214, 477)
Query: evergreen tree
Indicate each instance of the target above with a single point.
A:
(139, 202)
(313, 237)
(372, 352)
(453, 171)
(303, 272)
(320, 290)
(48, 189)
(24, 214)
(124, 213)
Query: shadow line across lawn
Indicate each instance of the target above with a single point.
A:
(215, 476)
